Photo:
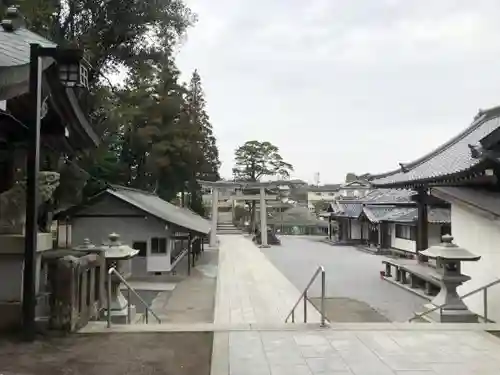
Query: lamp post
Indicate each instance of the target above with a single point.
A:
(72, 73)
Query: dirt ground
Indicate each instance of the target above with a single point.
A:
(193, 299)
(347, 310)
(110, 354)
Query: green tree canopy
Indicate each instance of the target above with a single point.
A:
(255, 160)
(155, 132)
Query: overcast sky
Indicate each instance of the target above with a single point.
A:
(344, 85)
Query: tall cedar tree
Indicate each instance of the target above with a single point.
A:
(206, 162)
(146, 131)
(255, 160)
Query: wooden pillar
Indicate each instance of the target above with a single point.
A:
(330, 227)
(422, 221)
(380, 236)
(263, 218)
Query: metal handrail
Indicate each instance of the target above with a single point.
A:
(321, 271)
(483, 288)
(113, 270)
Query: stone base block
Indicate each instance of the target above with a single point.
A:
(121, 316)
(10, 313)
(451, 316)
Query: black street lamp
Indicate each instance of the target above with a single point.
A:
(72, 74)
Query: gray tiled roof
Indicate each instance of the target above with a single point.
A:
(388, 196)
(325, 188)
(15, 46)
(349, 210)
(162, 209)
(377, 214)
(451, 158)
(297, 216)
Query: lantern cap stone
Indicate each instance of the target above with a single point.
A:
(86, 245)
(448, 250)
(114, 249)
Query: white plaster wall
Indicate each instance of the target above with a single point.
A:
(366, 231)
(355, 230)
(481, 236)
(434, 238)
(399, 243)
(130, 229)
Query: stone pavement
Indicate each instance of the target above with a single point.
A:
(250, 289)
(252, 293)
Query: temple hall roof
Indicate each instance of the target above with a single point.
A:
(453, 158)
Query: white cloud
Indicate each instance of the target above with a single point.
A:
(341, 85)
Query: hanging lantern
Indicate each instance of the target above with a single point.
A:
(74, 74)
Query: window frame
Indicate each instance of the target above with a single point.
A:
(405, 232)
(158, 246)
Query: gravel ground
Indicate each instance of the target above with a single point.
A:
(350, 273)
(110, 354)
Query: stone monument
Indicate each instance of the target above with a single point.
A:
(448, 258)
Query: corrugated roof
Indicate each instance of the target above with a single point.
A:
(451, 158)
(162, 209)
(15, 46)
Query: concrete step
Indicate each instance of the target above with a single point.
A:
(100, 327)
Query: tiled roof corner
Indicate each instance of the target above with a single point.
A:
(449, 159)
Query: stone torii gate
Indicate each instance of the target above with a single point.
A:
(216, 185)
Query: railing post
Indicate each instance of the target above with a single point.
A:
(485, 304)
(305, 306)
(109, 300)
(129, 310)
(293, 316)
(323, 292)
(147, 316)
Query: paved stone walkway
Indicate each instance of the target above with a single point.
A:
(250, 289)
(252, 292)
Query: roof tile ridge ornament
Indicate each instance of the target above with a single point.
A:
(476, 151)
(13, 20)
(404, 168)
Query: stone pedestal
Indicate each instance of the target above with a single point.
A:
(118, 256)
(11, 271)
(119, 304)
(450, 315)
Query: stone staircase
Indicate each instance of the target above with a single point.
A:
(227, 228)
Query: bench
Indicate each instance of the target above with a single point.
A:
(417, 275)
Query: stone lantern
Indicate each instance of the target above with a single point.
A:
(448, 258)
(118, 256)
